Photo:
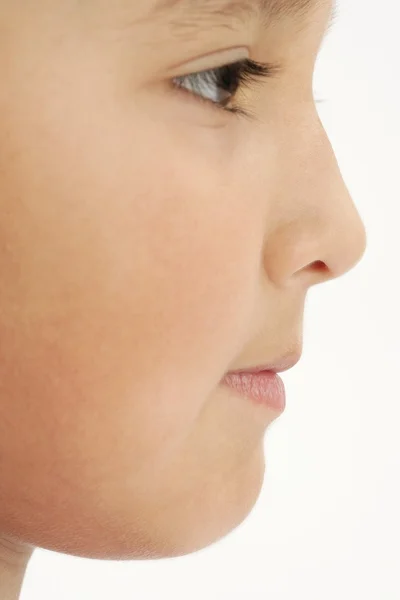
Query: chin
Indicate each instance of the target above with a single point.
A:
(182, 522)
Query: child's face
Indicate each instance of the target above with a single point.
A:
(150, 242)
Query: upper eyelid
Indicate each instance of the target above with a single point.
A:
(215, 60)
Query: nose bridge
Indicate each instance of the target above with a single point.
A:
(318, 222)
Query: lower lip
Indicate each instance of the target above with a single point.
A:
(265, 388)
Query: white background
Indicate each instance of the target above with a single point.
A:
(327, 524)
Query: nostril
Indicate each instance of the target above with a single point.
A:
(319, 265)
(314, 273)
(317, 272)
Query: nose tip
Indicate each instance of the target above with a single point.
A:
(351, 240)
(362, 241)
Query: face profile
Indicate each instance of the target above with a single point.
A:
(168, 198)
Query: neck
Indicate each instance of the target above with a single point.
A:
(14, 559)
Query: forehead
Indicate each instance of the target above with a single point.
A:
(266, 10)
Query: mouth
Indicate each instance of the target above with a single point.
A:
(264, 388)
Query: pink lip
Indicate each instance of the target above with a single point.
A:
(264, 388)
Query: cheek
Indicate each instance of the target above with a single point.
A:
(127, 289)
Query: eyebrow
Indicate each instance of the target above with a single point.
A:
(270, 11)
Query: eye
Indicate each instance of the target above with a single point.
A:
(219, 86)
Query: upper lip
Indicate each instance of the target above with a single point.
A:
(283, 364)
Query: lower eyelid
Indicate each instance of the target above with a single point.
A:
(196, 101)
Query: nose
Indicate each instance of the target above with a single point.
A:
(316, 233)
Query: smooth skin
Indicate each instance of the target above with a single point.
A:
(149, 243)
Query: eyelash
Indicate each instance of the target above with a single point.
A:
(231, 78)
